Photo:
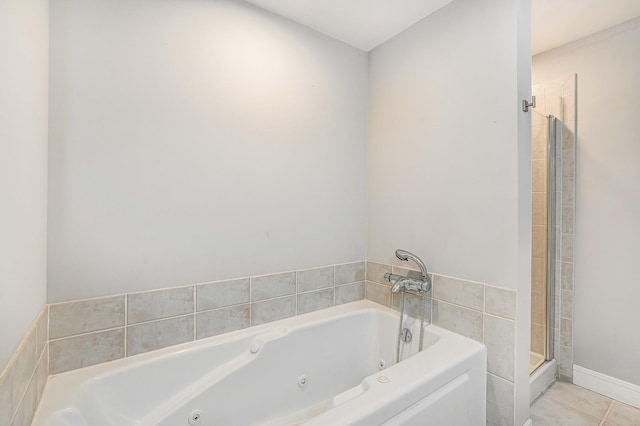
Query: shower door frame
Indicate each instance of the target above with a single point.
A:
(554, 135)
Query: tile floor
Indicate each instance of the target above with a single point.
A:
(564, 404)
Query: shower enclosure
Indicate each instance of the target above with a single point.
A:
(553, 188)
(543, 240)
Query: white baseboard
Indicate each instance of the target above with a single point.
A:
(617, 389)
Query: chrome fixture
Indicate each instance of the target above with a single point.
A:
(526, 105)
(401, 283)
(405, 255)
(406, 335)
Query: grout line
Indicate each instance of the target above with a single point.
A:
(329, 287)
(273, 298)
(87, 333)
(220, 308)
(162, 319)
(195, 310)
(462, 306)
(606, 414)
(295, 312)
(499, 317)
(484, 304)
(88, 299)
(333, 270)
(346, 284)
(126, 323)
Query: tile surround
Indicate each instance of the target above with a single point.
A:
(500, 302)
(349, 273)
(222, 320)
(349, 293)
(564, 285)
(88, 332)
(86, 349)
(162, 318)
(23, 379)
(459, 292)
(375, 273)
(500, 401)
(315, 300)
(159, 304)
(413, 304)
(314, 279)
(377, 293)
(154, 335)
(72, 318)
(222, 293)
(464, 321)
(500, 337)
(273, 310)
(274, 285)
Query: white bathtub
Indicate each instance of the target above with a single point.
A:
(331, 367)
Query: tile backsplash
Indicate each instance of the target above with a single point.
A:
(92, 331)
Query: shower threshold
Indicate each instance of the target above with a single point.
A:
(542, 378)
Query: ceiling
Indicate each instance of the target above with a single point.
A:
(367, 23)
(361, 23)
(558, 22)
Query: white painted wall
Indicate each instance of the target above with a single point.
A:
(193, 141)
(24, 58)
(443, 151)
(449, 174)
(607, 234)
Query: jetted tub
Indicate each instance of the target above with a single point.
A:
(330, 367)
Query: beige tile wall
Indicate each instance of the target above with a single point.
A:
(88, 332)
(475, 310)
(22, 381)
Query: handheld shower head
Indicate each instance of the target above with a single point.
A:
(405, 256)
(402, 254)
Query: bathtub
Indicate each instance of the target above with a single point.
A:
(330, 367)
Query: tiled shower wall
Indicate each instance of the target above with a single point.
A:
(475, 310)
(92, 331)
(22, 381)
(566, 210)
(559, 99)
